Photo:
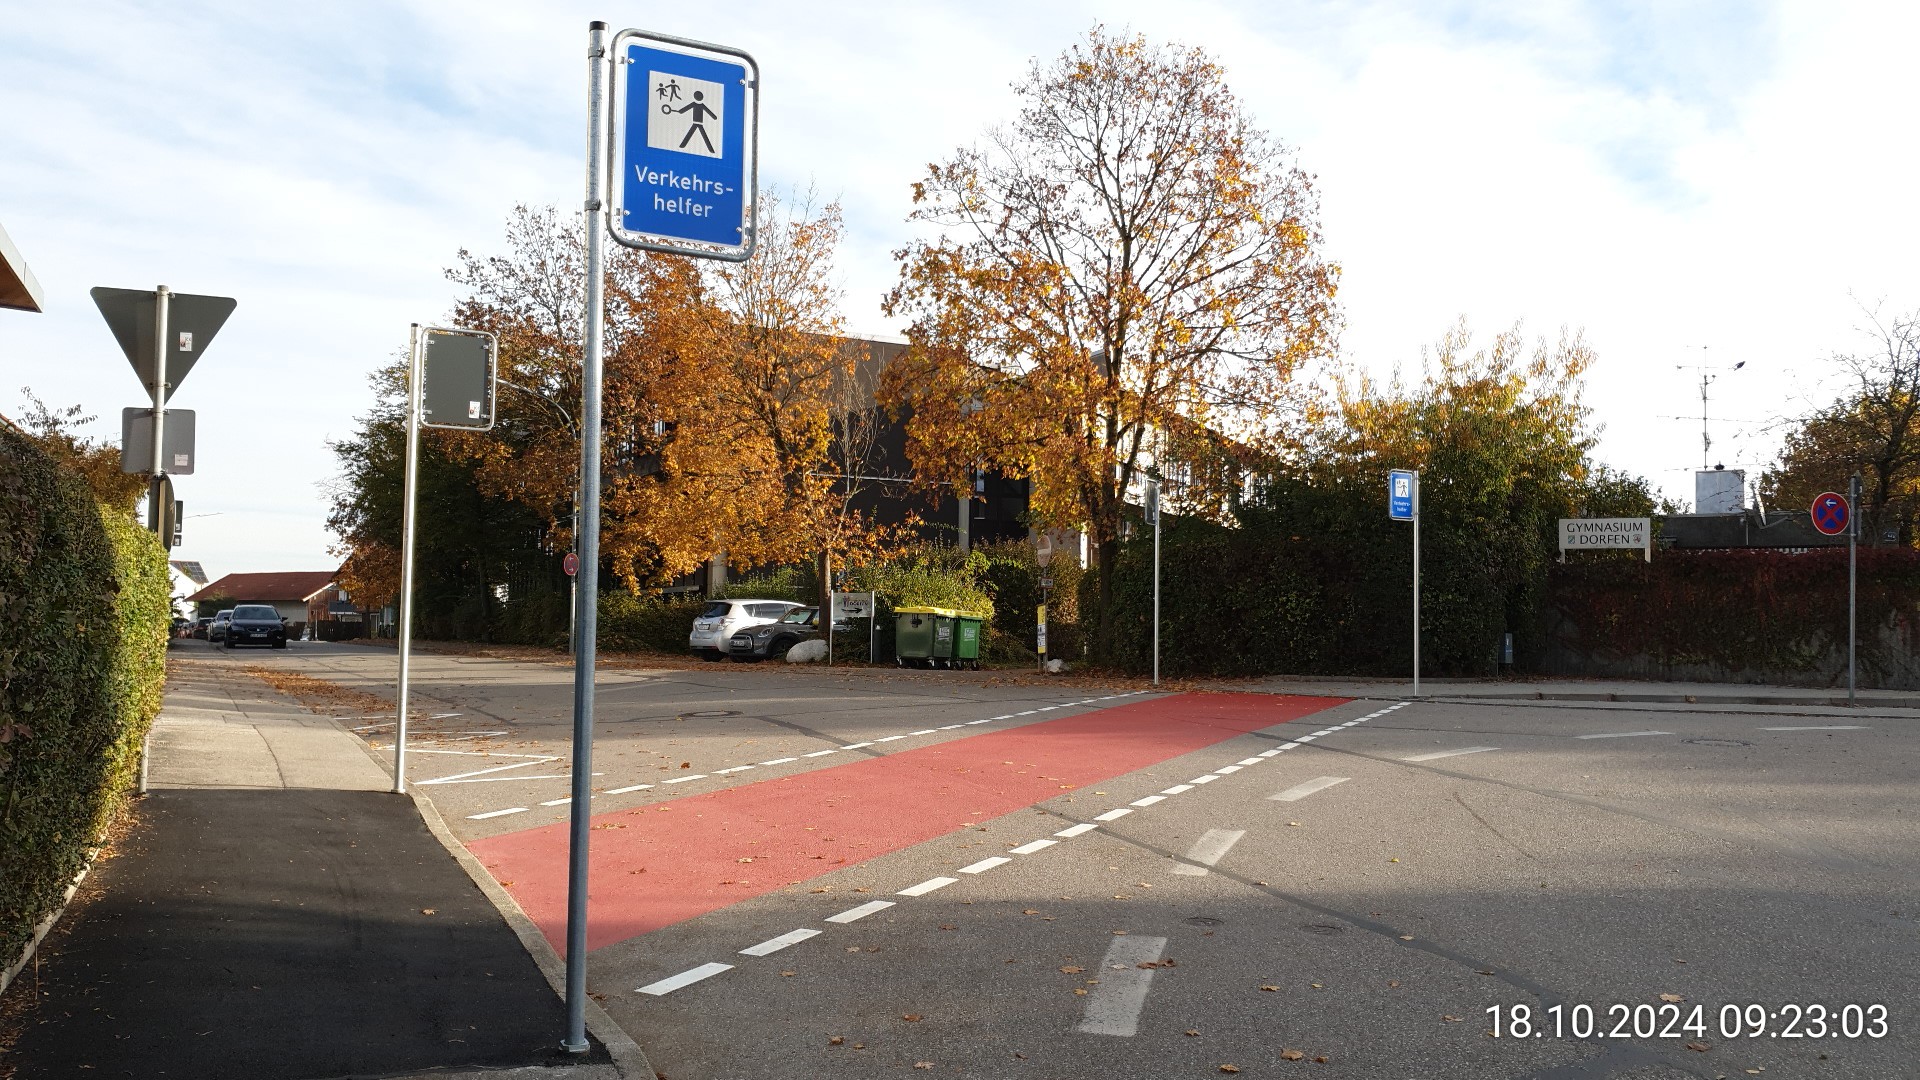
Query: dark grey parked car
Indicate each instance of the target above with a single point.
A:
(255, 624)
(774, 639)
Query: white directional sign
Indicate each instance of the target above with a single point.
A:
(852, 605)
(685, 141)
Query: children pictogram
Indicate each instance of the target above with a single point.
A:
(686, 115)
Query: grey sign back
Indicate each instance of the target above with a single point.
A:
(456, 379)
(136, 441)
(192, 320)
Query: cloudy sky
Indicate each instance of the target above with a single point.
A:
(1665, 176)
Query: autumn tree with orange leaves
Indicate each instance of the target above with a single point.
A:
(727, 405)
(1131, 262)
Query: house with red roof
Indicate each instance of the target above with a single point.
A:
(301, 596)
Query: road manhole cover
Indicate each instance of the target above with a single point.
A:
(707, 713)
(1204, 920)
(1717, 742)
(1323, 928)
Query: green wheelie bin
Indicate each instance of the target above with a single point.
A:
(914, 630)
(966, 639)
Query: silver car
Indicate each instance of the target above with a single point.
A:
(716, 624)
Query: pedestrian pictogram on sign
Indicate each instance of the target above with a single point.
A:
(1831, 514)
(689, 126)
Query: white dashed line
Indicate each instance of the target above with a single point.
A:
(685, 779)
(1269, 753)
(1226, 770)
(1208, 850)
(628, 788)
(821, 753)
(1301, 791)
(1621, 734)
(1178, 789)
(985, 865)
(1450, 753)
(558, 802)
(1113, 1008)
(1207, 779)
(1148, 801)
(1286, 746)
(1254, 760)
(774, 945)
(927, 886)
(1307, 738)
(950, 727)
(735, 769)
(1077, 830)
(1112, 815)
(1823, 727)
(927, 731)
(1033, 846)
(856, 745)
(861, 912)
(780, 761)
(686, 978)
(497, 813)
(890, 738)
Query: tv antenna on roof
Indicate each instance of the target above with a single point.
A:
(1708, 375)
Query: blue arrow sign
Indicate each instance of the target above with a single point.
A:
(685, 146)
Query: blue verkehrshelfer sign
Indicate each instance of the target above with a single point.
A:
(684, 146)
(1403, 492)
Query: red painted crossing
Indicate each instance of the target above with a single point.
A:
(657, 865)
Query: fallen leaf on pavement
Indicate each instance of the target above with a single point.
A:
(748, 858)
(1452, 1019)
(836, 1040)
(1080, 991)
(1229, 1068)
(1697, 1047)
(1321, 1060)
(1071, 970)
(911, 1018)
(1029, 911)
(1392, 983)
(1406, 937)
(853, 948)
(1271, 989)
(947, 926)
(1671, 997)
(1292, 1055)
(686, 764)
(1193, 1033)
(787, 974)
(923, 1064)
(426, 911)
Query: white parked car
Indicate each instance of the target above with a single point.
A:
(716, 624)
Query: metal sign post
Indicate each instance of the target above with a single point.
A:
(1043, 556)
(1153, 515)
(1853, 547)
(681, 124)
(454, 369)
(1403, 504)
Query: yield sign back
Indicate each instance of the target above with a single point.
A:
(191, 323)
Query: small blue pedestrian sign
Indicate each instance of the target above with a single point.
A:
(684, 145)
(1403, 494)
(1831, 514)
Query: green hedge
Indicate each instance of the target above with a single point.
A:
(84, 610)
(630, 622)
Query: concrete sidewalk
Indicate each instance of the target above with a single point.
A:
(275, 912)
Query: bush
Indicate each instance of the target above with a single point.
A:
(84, 611)
(629, 622)
(798, 584)
(1012, 578)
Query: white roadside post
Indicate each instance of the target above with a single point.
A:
(680, 178)
(1043, 557)
(1153, 515)
(1403, 504)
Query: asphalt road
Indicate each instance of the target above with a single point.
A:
(1385, 895)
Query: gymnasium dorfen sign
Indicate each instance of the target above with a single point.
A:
(1597, 534)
